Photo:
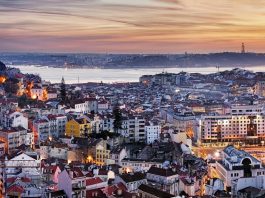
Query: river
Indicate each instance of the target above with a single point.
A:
(55, 75)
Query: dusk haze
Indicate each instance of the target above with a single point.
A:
(137, 26)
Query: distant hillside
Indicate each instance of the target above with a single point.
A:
(226, 59)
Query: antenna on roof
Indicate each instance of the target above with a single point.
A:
(243, 48)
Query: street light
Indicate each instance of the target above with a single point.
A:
(217, 154)
(89, 158)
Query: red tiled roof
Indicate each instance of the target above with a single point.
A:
(109, 190)
(93, 181)
(91, 193)
(13, 179)
(10, 180)
(121, 186)
(102, 172)
(77, 172)
(89, 174)
(25, 179)
(15, 188)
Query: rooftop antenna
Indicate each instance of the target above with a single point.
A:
(243, 48)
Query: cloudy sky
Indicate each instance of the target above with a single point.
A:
(132, 26)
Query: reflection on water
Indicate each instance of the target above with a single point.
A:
(112, 75)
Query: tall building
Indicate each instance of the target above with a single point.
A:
(152, 131)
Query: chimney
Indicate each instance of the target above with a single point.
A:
(71, 174)
(119, 192)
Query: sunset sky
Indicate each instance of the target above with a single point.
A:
(132, 26)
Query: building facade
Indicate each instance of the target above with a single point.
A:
(235, 164)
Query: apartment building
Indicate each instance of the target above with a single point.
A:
(231, 128)
(14, 137)
(152, 131)
(14, 119)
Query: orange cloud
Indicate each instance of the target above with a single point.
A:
(131, 26)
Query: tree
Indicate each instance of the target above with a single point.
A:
(11, 86)
(117, 123)
(63, 91)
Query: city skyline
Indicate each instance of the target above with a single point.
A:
(148, 26)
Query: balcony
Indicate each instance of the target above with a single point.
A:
(78, 187)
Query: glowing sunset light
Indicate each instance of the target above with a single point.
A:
(132, 26)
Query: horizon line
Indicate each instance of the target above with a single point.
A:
(128, 53)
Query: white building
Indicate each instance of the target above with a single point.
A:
(236, 164)
(48, 149)
(57, 125)
(164, 179)
(248, 182)
(24, 165)
(2, 148)
(180, 136)
(86, 105)
(152, 131)
(73, 182)
(134, 129)
(213, 185)
(37, 92)
(247, 109)
(15, 119)
(103, 106)
(138, 164)
(132, 181)
(96, 123)
(117, 154)
(107, 123)
(41, 129)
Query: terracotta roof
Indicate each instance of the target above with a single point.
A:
(127, 178)
(121, 186)
(154, 191)
(15, 188)
(102, 172)
(89, 174)
(97, 193)
(11, 180)
(161, 171)
(77, 172)
(92, 181)
(109, 190)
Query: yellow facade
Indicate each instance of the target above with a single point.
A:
(77, 127)
(102, 154)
